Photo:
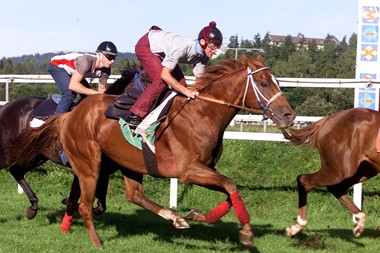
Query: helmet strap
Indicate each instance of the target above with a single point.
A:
(203, 43)
(99, 55)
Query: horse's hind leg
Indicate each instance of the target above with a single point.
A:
(364, 172)
(305, 183)
(135, 194)
(18, 174)
(72, 201)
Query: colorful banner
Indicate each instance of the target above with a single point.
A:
(367, 57)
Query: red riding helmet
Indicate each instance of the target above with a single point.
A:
(211, 34)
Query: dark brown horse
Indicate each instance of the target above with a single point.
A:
(16, 115)
(188, 143)
(347, 145)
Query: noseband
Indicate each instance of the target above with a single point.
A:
(258, 93)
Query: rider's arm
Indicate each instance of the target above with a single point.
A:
(166, 75)
(76, 86)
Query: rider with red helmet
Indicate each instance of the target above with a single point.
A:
(160, 52)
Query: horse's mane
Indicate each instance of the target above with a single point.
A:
(224, 68)
(127, 75)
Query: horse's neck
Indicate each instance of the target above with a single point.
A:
(216, 117)
(217, 109)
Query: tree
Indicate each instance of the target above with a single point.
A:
(287, 48)
(326, 60)
(234, 42)
(257, 41)
(312, 50)
(7, 66)
(299, 65)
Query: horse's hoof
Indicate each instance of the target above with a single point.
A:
(99, 210)
(289, 232)
(31, 213)
(246, 238)
(357, 231)
(180, 223)
(193, 214)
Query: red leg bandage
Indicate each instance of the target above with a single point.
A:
(240, 210)
(66, 223)
(218, 212)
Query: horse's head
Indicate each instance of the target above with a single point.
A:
(132, 76)
(263, 92)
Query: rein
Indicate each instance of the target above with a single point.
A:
(258, 95)
(218, 101)
(138, 80)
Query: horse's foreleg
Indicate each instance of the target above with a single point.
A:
(101, 191)
(135, 194)
(18, 174)
(202, 175)
(211, 217)
(71, 205)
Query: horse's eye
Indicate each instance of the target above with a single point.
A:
(264, 84)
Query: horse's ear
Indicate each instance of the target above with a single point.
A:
(260, 59)
(245, 59)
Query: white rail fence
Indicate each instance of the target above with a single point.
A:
(253, 119)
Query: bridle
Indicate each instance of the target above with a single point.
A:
(259, 95)
(138, 82)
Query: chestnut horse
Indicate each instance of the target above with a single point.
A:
(16, 115)
(188, 142)
(346, 142)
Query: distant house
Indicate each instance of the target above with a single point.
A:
(279, 39)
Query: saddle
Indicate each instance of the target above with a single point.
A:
(120, 106)
(47, 107)
(119, 110)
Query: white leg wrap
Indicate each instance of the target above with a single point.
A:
(301, 222)
(296, 228)
(360, 223)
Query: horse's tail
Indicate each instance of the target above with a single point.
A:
(306, 135)
(23, 149)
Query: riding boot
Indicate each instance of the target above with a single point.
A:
(133, 120)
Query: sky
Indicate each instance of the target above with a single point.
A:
(43, 26)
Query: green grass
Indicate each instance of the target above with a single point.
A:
(265, 173)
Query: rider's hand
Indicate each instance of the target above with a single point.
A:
(192, 92)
